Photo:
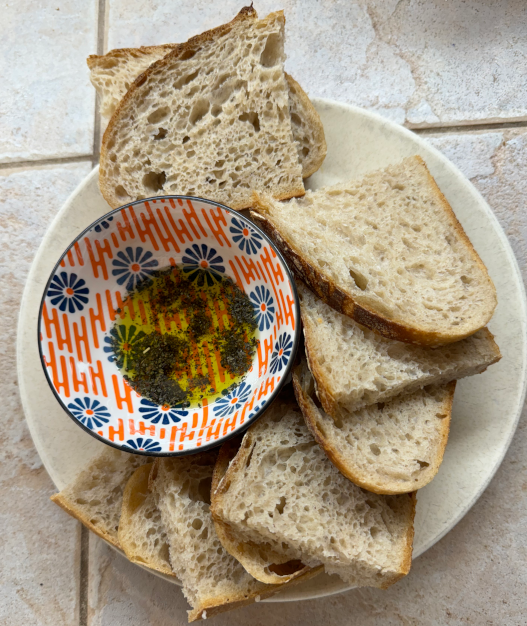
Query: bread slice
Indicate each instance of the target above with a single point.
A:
(95, 496)
(213, 581)
(281, 487)
(210, 119)
(142, 534)
(262, 560)
(389, 448)
(112, 74)
(388, 252)
(354, 367)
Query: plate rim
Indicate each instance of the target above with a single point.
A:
(420, 143)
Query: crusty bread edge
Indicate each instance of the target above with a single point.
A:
(93, 60)
(246, 13)
(326, 288)
(314, 122)
(310, 413)
(66, 504)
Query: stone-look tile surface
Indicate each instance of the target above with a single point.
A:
(496, 162)
(476, 575)
(40, 543)
(419, 62)
(46, 100)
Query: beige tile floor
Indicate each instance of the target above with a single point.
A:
(456, 70)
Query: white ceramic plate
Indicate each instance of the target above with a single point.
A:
(486, 407)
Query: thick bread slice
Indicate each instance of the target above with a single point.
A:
(262, 560)
(388, 252)
(389, 448)
(354, 367)
(213, 581)
(210, 119)
(112, 75)
(141, 532)
(282, 487)
(95, 496)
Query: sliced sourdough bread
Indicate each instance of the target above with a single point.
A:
(213, 581)
(95, 496)
(282, 488)
(112, 75)
(262, 560)
(209, 119)
(388, 252)
(389, 448)
(354, 367)
(142, 534)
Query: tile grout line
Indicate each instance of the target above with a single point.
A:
(83, 577)
(101, 38)
(42, 162)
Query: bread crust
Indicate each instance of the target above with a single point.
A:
(315, 123)
(352, 473)
(246, 14)
(343, 302)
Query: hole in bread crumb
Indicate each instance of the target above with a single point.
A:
(161, 134)
(375, 449)
(295, 119)
(188, 54)
(360, 281)
(423, 464)
(285, 569)
(441, 416)
(252, 118)
(185, 139)
(272, 52)
(216, 110)
(305, 152)
(154, 181)
(280, 506)
(120, 192)
(199, 110)
(466, 280)
(204, 488)
(380, 406)
(158, 114)
(197, 523)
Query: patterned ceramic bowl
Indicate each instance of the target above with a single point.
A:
(86, 290)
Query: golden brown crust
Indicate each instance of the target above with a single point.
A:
(326, 288)
(67, 505)
(341, 462)
(315, 124)
(96, 60)
(266, 592)
(179, 51)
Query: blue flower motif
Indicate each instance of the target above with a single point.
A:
(281, 353)
(125, 337)
(203, 261)
(89, 412)
(263, 302)
(232, 401)
(245, 236)
(157, 412)
(132, 266)
(140, 443)
(68, 292)
(104, 224)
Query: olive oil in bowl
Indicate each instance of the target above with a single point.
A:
(183, 334)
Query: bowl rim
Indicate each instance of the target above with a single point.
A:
(252, 419)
